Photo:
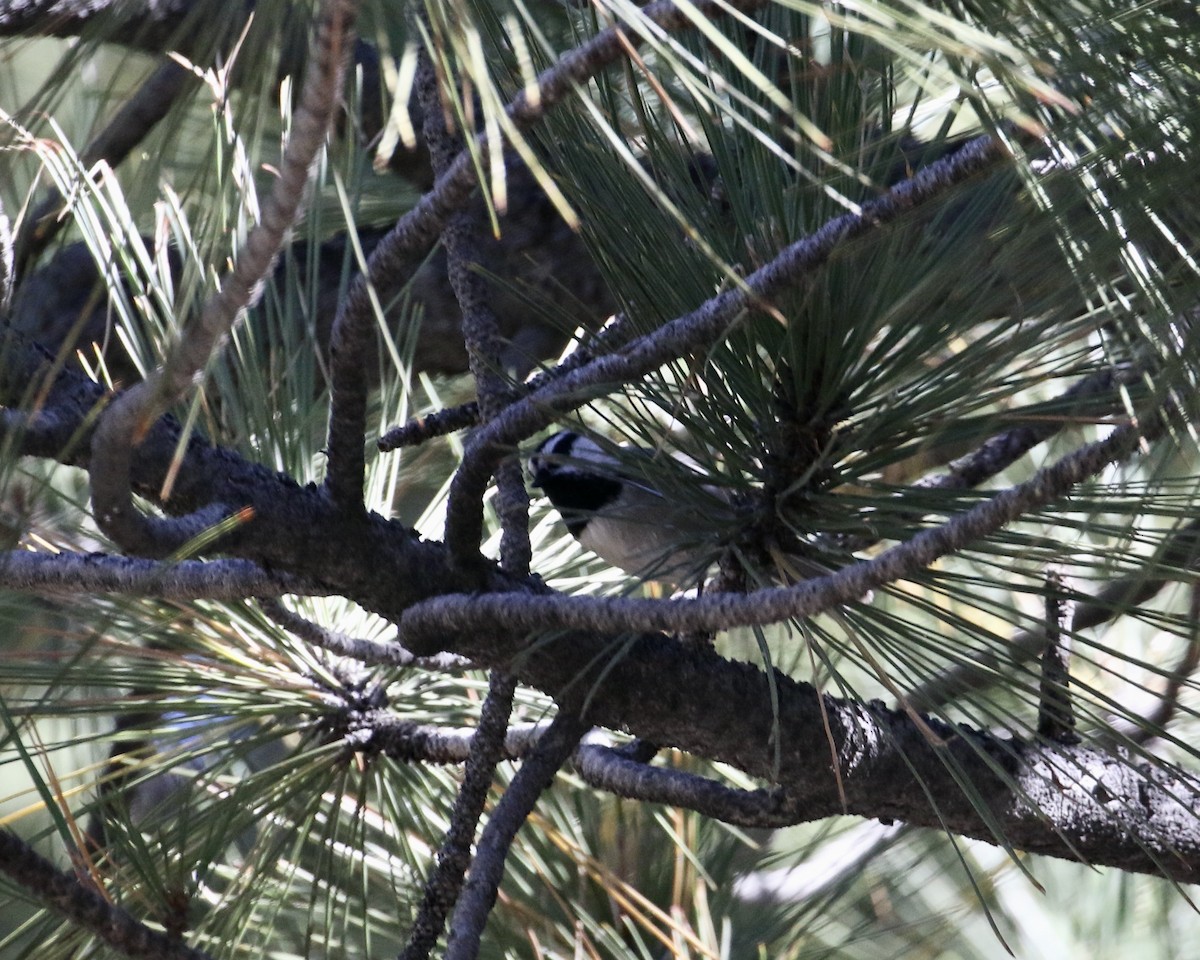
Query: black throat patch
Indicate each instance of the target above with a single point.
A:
(578, 495)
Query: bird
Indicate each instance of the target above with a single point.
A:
(609, 503)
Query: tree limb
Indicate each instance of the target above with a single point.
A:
(381, 566)
(86, 907)
(69, 573)
(1072, 802)
(532, 780)
(446, 880)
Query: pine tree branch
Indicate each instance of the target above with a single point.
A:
(45, 432)
(382, 731)
(1178, 553)
(1154, 722)
(481, 334)
(1099, 392)
(487, 869)
(1061, 800)
(417, 231)
(1070, 802)
(420, 429)
(442, 888)
(367, 652)
(69, 573)
(1004, 449)
(295, 528)
(707, 323)
(128, 418)
(425, 626)
(613, 771)
(87, 908)
(1056, 710)
(1073, 802)
(151, 25)
(612, 336)
(384, 568)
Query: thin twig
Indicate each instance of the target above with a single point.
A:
(370, 652)
(1115, 599)
(487, 870)
(1056, 713)
(62, 574)
(1168, 703)
(611, 770)
(446, 880)
(429, 623)
(408, 742)
(438, 424)
(613, 336)
(85, 907)
(127, 420)
(8, 265)
(420, 228)
(1146, 728)
(482, 338)
(1004, 449)
(481, 330)
(598, 763)
(512, 507)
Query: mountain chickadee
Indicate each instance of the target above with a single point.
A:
(619, 516)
